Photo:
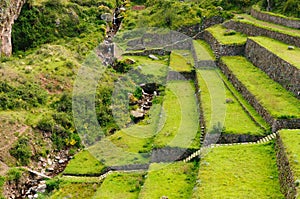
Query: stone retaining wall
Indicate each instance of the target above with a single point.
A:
(264, 16)
(275, 67)
(237, 138)
(170, 154)
(252, 30)
(174, 75)
(161, 52)
(275, 123)
(221, 49)
(286, 177)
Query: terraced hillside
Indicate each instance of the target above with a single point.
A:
(213, 116)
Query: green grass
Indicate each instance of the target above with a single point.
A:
(203, 50)
(280, 49)
(256, 7)
(271, 95)
(180, 63)
(84, 163)
(266, 25)
(75, 190)
(181, 124)
(218, 31)
(175, 180)
(241, 171)
(121, 185)
(237, 121)
(291, 142)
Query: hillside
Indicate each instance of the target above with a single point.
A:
(149, 99)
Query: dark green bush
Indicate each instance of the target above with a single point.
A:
(21, 151)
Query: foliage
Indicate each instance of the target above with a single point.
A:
(286, 7)
(226, 36)
(138, 92)
(24, 96)
(180, 63)
(53, 184)
(14, 174)
(22, 151)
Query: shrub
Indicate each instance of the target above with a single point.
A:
(21, 151)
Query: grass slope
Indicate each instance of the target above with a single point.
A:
(203, 50)
(219, 32)
(84, 163)
(280, 49)
(179, 62)
(272, 96)
(175, 180)
(121, 185)
(239, 171)
(75, 190)
(181, 125)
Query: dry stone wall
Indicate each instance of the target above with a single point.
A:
(286, 177)
(221, 49)
(276, 68)
(9, 12)
(252, 30)
(293, 23)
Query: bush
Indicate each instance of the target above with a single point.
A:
(21, 151)
(14, 174)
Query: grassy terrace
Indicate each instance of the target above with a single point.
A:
(174, 180)
(181, 124)
(237, 121)
(84, 163)
(203, 50)
(271, 95)
(75, 190)
(291, 142)
(266, 25)
(224, 37)
(280, 49)
(121, 185)
(181, 61)
(241, 171)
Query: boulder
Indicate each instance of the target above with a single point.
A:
(291, 48)
(153, 57)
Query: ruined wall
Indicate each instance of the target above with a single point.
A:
(252, 30)
(9, 12)
(276, 68)
(293, 23)
(275, 123)
(221, 49)
(286, 177)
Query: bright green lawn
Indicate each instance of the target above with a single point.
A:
(203, 50)
(121, 185)
(175, 180)
(84, 163)
(241, 171)
(291, 142)
(237, 121)
(218, 32)
(181, 125)
(269, 26)
(280, 49)
(180, 63)
(75, 190)
(271, 95)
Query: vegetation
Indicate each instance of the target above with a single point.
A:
(174, 180)
(272, 96)
(239, 171)
(280, 49)
(84, 163)
(22, 151)
(203, 50)
(226, 36)
(286, 7)
(291, 141)
(181, 61)
(237, 121)
(266, 25)
(121, 185)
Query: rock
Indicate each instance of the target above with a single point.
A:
(61, 161)
(164, 197)
(153, 57)
(49, 161)
(240, 17)
(41, 188)
(137, 114)
(229, 101)
(291, 48)
(30, 196)
(35, 195)
(129, 61)
(28, 69)
(50, 169)
(139, 68)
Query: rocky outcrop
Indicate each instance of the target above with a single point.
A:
(270, 17)
(278, 69)
(9, 12)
